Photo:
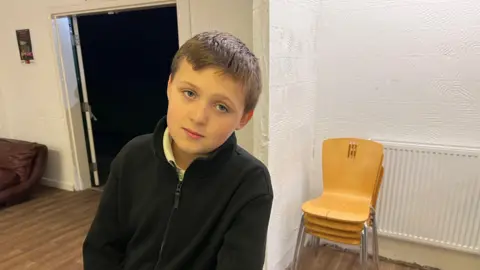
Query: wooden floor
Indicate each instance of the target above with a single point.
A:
(327, 258)
(47, 232)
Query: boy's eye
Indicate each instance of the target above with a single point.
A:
(222, 108)
(189, 93)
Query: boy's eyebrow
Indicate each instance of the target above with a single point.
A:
(190, 84)
(223, 97)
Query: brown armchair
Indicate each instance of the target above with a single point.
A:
(22, 165)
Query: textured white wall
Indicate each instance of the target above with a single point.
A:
(293, 90)
(35, 110)
(404, 70)
(261, 48)
(374, 69)
(400, 70)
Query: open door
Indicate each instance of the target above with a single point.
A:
(85, 105)
(76, 99)
(113, 84)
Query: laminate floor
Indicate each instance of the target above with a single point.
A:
(47, 232)
(327, 258)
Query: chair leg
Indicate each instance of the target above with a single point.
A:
(300, 243)
(375, 240)
(309, 241)
(318, 244)
(365, 246)
(362, 249)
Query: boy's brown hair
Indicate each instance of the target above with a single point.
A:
(227, 53)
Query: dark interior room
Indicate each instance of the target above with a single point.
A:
(126, 57)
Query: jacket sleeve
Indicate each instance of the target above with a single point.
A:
(103, 248)
(245, 242)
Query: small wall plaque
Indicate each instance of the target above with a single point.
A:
(25, 45)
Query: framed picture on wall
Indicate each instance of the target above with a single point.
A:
(25, 45)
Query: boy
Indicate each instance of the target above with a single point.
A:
(187, 196)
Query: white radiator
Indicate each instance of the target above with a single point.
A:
(431, 194)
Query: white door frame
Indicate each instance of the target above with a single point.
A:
(73, 113)
(88, 111)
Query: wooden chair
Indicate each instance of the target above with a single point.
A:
(352, 176)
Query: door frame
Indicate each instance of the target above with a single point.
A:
(73, 114)
(84, 102)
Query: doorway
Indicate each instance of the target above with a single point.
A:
(116, 68)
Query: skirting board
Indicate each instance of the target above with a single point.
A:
(57, 184)
(421, 254)
(444, 259)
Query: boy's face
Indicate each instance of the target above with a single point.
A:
(205, 107)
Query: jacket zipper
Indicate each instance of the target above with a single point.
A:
(176, 202)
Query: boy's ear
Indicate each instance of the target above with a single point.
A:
(245, 119)
(169, 86)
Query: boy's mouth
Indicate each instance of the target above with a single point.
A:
(192, 134)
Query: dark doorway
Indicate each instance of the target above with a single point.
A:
(126, 58)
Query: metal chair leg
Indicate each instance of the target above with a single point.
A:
(365, 246)
(362, 249)
(300, 241)
(318, 244)
(309, 241)
(375, 240)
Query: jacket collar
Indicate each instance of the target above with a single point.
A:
(201, 165)
(167, 147)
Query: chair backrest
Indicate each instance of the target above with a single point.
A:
(351, 165)
(377, 188)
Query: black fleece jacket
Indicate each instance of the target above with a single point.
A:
(216, 218)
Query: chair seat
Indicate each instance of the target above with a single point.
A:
(339, 207)
(333, 224)
(331, 231)
(334, 238)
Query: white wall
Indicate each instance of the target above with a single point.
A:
(293, 89)
(231, 16)
(4, 133)
(403, 71)
(35, 110)
(400, 70)
(373, 69)
(261, 48)
(4, 130)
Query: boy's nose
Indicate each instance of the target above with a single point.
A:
(199, 115)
